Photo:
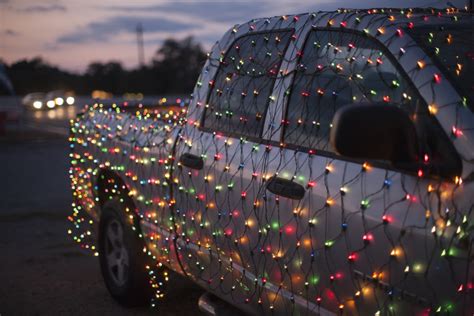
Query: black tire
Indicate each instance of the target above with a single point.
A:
(122, 260)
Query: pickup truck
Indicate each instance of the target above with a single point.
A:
(324, 166)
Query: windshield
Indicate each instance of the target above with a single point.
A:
(452, 47)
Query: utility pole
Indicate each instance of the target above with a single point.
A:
(141, 50)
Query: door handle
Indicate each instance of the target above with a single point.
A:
(191, 161)
(285, 188)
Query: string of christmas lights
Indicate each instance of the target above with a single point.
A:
(366, 238)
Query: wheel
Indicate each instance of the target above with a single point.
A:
(122, 260)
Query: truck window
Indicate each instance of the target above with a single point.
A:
(339, 68)
(241, 90)
(452, 47)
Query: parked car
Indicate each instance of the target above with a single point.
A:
(35, 101)
(6, 87)
(48, 101)
(325, 166)
(10, 111)
(59, 98)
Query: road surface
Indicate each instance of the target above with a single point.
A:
(42, 271)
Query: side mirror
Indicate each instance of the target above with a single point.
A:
(377, 131)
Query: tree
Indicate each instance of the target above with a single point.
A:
(178, 64)
(109, 76)
(37, 75)
(174, 69)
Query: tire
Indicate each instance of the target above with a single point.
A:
(121, 256)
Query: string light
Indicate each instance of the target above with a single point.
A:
(221, 223)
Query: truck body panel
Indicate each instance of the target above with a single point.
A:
(366, 236)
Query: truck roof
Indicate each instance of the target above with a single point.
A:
(394, 16)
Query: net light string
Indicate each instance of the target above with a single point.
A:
(262, 249)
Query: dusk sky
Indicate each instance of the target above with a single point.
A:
(73, 33)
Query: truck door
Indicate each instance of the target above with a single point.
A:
(218, 181)
(351, 235)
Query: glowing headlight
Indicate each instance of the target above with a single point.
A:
(70, 100)
(50, 104)
(37, 105)
(59, 101)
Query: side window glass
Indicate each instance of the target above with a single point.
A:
(241, 90)
(339, 68)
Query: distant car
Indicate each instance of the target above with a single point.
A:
(6, 87)
(59, 98)
(34, 101)
(101, 95)
(131, 96)
(9, 111)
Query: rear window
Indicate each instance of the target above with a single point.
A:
(452, 48)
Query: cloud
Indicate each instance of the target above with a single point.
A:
(103, 31)
(230, 12)
(43, 8)
(9, 32)
(238, 11)
(51, 46)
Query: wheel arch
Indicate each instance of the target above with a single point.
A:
(109, 184)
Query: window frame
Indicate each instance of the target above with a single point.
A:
(258, 138)
(403, 74)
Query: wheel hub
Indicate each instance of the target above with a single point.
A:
(116, 253)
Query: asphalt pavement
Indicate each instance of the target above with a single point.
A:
(42, 271)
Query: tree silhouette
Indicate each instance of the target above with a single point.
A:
(178, 63)
(110, 76)
(173, 70)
